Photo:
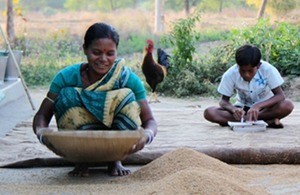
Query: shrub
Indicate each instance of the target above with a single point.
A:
(279, 44)
(181, 79)
(44, 57)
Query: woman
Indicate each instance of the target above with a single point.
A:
(83, 96)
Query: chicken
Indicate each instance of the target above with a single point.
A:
(154, 71)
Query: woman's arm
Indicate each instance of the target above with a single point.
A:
(43, 116)
(148, 121)
(149, 127)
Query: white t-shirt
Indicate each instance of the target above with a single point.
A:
(257, 90)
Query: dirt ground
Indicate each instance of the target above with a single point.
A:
(177, 159)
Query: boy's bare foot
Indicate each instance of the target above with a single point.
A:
(80, 171)
(116, 169)
(275, 123)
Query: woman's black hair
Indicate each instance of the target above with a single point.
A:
(99, 31)
(248, 54)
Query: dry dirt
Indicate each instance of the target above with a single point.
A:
(182, 170)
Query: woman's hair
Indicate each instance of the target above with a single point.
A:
(248, 54)
(99, 31)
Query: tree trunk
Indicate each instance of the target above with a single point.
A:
(187, 7)
(262, 9)
(10, 22)
(221, 6)
(159, 17)
(112, 5)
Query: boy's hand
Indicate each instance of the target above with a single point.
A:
(253, 113)
(238, 113)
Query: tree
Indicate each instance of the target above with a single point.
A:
(187, 7)
(275, 7)
(159, 17)
(10, 21)
(262, 9)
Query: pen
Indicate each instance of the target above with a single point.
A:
(242, 119)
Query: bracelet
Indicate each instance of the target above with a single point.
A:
(39, 135)
(150, 134)
(51, 100)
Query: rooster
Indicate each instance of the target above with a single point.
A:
(154, 71)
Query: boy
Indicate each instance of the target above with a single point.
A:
(259, 95)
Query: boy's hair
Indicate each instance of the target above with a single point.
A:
(248, 54)
(99, 31)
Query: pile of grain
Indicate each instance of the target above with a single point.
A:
(186, 171)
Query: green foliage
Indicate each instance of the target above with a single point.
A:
(282, 7)
(134, 43)
(212, 35)
(183, 78)
(78, 5)
(182, 40)
(218, 62)
(219, 5)
(190, 74)
(178, 5)
(189, 81)
(276, 7)
(115, 4)
(104, 5)
(279, 44)
(42, 58)
(41, 5)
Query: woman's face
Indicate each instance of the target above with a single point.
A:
(101, 55)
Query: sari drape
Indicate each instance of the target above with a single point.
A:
(104, 105)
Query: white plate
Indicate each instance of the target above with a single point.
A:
(248, 126)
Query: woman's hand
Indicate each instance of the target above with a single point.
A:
(40, 131)
(147, 137)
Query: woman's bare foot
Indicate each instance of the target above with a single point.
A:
(275, 123)
(80, 171)
(116, 169)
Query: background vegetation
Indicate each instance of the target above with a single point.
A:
(202, 45)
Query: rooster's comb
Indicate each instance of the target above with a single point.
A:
(150, 42)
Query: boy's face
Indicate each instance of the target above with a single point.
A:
(247, 72)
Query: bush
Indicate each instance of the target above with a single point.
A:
(182, 79)
(44, 57)
(279, 44)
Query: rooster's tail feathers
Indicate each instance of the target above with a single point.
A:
(163, 58)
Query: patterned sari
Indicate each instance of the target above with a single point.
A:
(104, 105)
